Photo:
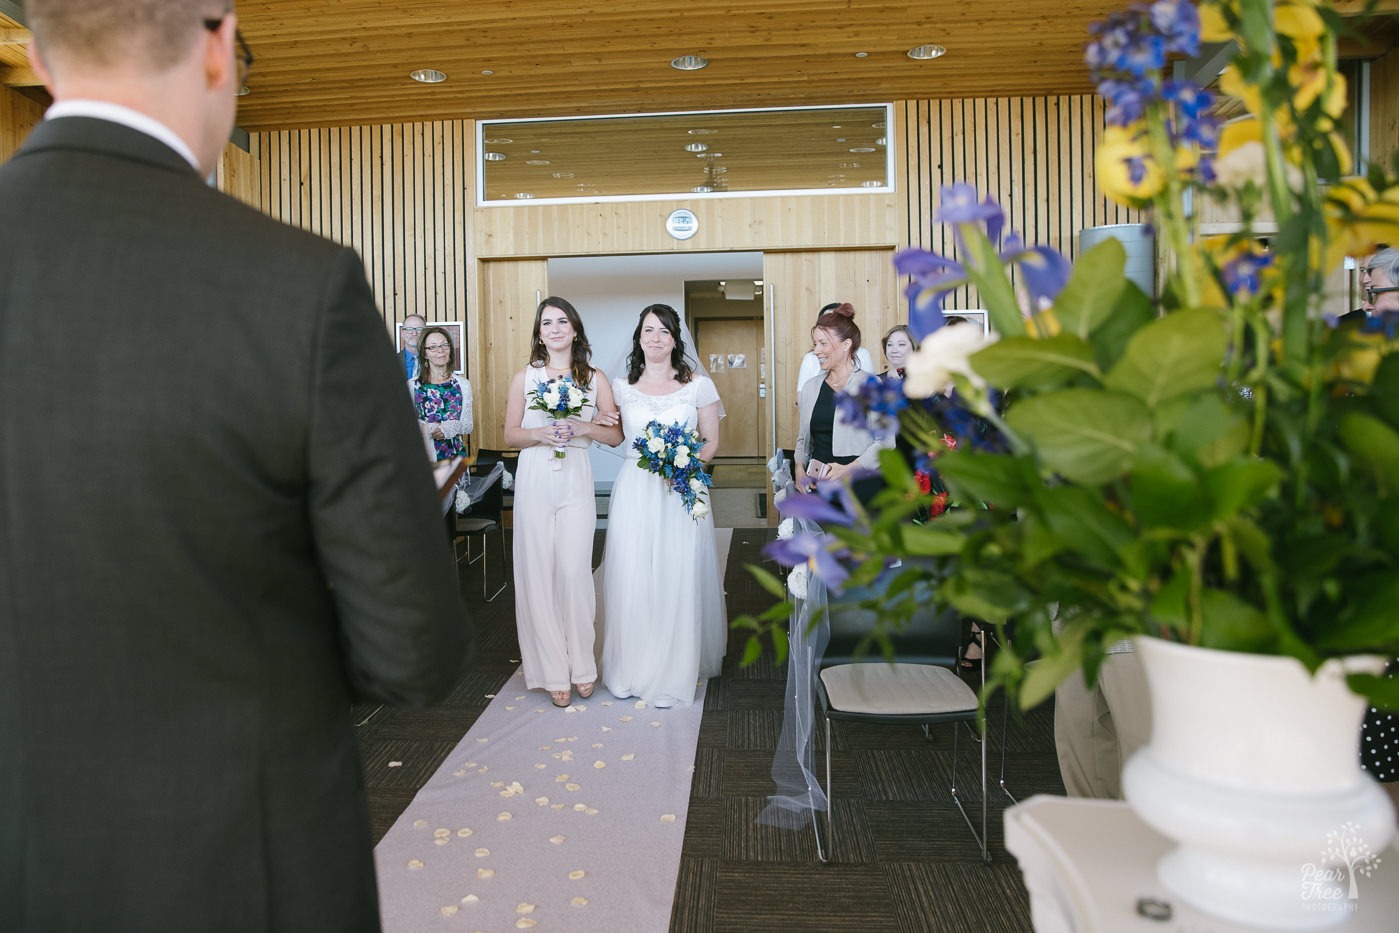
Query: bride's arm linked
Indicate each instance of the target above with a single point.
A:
(606, 426)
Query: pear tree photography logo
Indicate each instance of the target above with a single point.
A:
(1333, 885)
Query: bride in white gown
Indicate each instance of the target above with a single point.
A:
(665, 625)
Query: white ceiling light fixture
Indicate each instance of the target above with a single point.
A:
(243, 91)
(689, 63)
(494, 157)
(696, 147)
(704, 131)
(499, 141)
(523, 195)
(862, 149)
(536, 161)
(926, 53)
(427, 76)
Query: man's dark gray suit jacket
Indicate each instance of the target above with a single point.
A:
(217, 529)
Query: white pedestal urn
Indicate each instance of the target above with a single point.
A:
(1253, 770)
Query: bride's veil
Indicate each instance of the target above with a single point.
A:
(615, 368)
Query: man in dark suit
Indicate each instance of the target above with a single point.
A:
(217, 525)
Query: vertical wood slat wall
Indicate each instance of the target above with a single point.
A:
(18, 115)
(396, 193)
(1032, 155)
(1384, 109)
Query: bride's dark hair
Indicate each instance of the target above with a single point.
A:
(636, 360)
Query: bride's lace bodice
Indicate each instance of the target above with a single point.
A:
(639, 409)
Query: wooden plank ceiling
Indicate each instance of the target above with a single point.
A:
(347, 62)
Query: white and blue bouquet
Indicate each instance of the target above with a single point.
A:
(672, 452)
(559, 398)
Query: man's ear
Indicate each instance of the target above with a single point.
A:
(36, 61)
(218, 53)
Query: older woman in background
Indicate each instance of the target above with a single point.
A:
(898, 344)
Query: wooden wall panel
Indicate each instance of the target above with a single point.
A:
(1032, 155)
(394, 193)
(1384, 108)
(802, 281)
(510, 292)
(18, 115)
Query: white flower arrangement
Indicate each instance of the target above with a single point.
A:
(797, 579)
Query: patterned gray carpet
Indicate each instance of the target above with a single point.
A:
(904, 860)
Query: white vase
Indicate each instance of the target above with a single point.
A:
(1253, 769)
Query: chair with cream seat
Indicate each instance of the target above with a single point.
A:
(856, 683)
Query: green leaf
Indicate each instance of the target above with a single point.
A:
(1373, 443)
(1166, 493)
(988, 274)
(1088, 435)
(931, 540)
(752, 651)
(1175, 355)
(1082, 522)
(1134, 311)
(1369, 621)
(1239, 485)
(1054, 666)
(1202, 428)
(1231, 624)
(768, 581)
(1092, 290)
(1026, 361)
(998, 479)
(1380, 691)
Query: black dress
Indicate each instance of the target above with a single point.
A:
(823, 420)
(1379, 740)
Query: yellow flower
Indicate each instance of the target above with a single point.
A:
(1042, 324)
(1358, 217)
(1121, 145)
(1214, 27)
(1298, 20)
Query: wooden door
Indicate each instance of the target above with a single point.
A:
(731, 349)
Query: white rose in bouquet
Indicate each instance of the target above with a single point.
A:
(551, 396)
(682, 458)
(696, 485)
(700, 510)
(786, 529)
(655, 445)
(575, 397)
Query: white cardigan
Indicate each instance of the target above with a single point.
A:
(452, 428)
(847, 440)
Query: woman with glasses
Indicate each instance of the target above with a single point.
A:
(443, 400)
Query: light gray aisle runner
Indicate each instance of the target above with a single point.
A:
(547, 819)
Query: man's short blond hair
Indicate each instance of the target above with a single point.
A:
(106, 33)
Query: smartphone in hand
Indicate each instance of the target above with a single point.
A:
(815, 469)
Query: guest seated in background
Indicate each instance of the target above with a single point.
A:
(443, 401)
(810, 366)
(897, 345)
(828, 447)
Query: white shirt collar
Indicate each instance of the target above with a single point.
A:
(116, 113)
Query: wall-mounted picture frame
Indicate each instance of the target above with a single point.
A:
(456, 329)
(977, 316)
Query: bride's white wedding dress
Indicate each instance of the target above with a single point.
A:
(662, 620)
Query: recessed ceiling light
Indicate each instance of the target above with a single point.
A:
(878, 126)
(689, 63)
(849, 165)
(696, 147)
(840, 139)
(925, 53)
(494, 157)
(487, 72)
(499, 141)
(534, 152)
(523, 195)
(871, 183)
(243, 91)
(862, 54)
(882, 141)
(703, 132)
(863, 149)
(701, 189)
(427, 76)
(536, 161)
(563, 174)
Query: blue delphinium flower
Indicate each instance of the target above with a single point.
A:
(1241, 274)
